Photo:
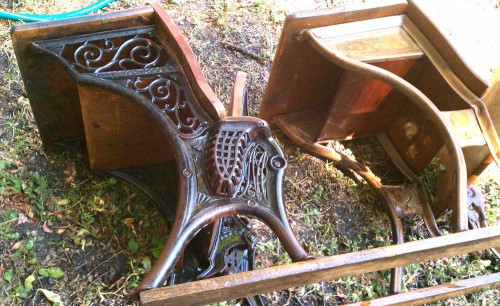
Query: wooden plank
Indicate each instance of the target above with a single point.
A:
(308, 123)
(358, 27)
(236, 107)
(172, 38)
(362, 105)
(374, 40)
(322, 269)
(436, 293)
(378, 46)
(119, 132)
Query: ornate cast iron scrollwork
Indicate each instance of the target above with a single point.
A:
(136, 60)
(236, 166)
(166, 92)
(233, 249)
(228, 165)
(114, 54)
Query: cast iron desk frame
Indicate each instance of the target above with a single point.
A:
(129, 81)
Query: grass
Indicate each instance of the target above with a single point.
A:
(56, 216)
(90, 238)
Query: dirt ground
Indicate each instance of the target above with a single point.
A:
(89, 239)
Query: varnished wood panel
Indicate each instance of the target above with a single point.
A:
(414, 136)
(375, 40)
(53, 94)
(357, 110)
(471, 79)
(119, 132)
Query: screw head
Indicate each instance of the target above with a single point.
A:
(186, 172)
(252, 203)
(277, 162)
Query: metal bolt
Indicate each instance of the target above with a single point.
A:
(252, 203)
(277, 162)
(186, 172)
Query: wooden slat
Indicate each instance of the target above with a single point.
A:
(323, 269)
(436, 293)
(308, 123)
(236, 103)
(357, 27)
(374, 40)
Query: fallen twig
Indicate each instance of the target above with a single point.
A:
(254, 56)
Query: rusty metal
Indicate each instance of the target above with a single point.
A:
(233, 250)
(300, 138)
(232, 247)
(477, 213)
(406, 199)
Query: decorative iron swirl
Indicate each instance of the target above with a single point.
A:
(237, 167)
(253, 181)
(225, 158)
(168, 95)
(115, 54)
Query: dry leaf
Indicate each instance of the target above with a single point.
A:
(22, 218)
(52, 297)
(64, 202)
(16, 245)
(129, 222)
(58, 215)
(45, 228)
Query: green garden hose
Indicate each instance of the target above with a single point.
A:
(34, 17)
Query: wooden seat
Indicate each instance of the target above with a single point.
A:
(387, 73)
